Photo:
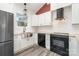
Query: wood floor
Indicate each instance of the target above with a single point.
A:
(37, 51)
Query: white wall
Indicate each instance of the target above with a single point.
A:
(19, 43)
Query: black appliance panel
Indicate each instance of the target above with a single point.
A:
(41, 40)
(59, 44)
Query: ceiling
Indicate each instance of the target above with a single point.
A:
(32, 7)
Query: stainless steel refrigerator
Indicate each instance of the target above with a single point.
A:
(6, 34)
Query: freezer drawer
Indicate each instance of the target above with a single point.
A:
(6, 49)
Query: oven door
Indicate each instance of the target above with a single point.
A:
(60, 45)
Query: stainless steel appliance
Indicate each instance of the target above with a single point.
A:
(6, 34)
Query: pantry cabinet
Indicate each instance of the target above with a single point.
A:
(41, 20)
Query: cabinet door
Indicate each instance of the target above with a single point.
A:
(73, 46)
(35, 21)
(41, 40)
(9, 27)
(47, 18)
(75, 13)
(7, 49)
(41, 20)
(38, 20)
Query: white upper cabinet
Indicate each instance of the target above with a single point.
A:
(41, 20)
(34, 20)
(47, 20)
(55, 6)
(75, 13)
(74, 10)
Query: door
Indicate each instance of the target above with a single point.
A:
(41, 40)
(6, 49)
(59, 44)
(47, 18)
(6, 26)
(1, 49)
(34, 20)
(3, 17)
(75, 14)
(9, 27)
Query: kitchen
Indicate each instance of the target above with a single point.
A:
(45, 22)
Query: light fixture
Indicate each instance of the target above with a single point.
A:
(26, 30)
(25, 12)
(22, 18)
(25, 18)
